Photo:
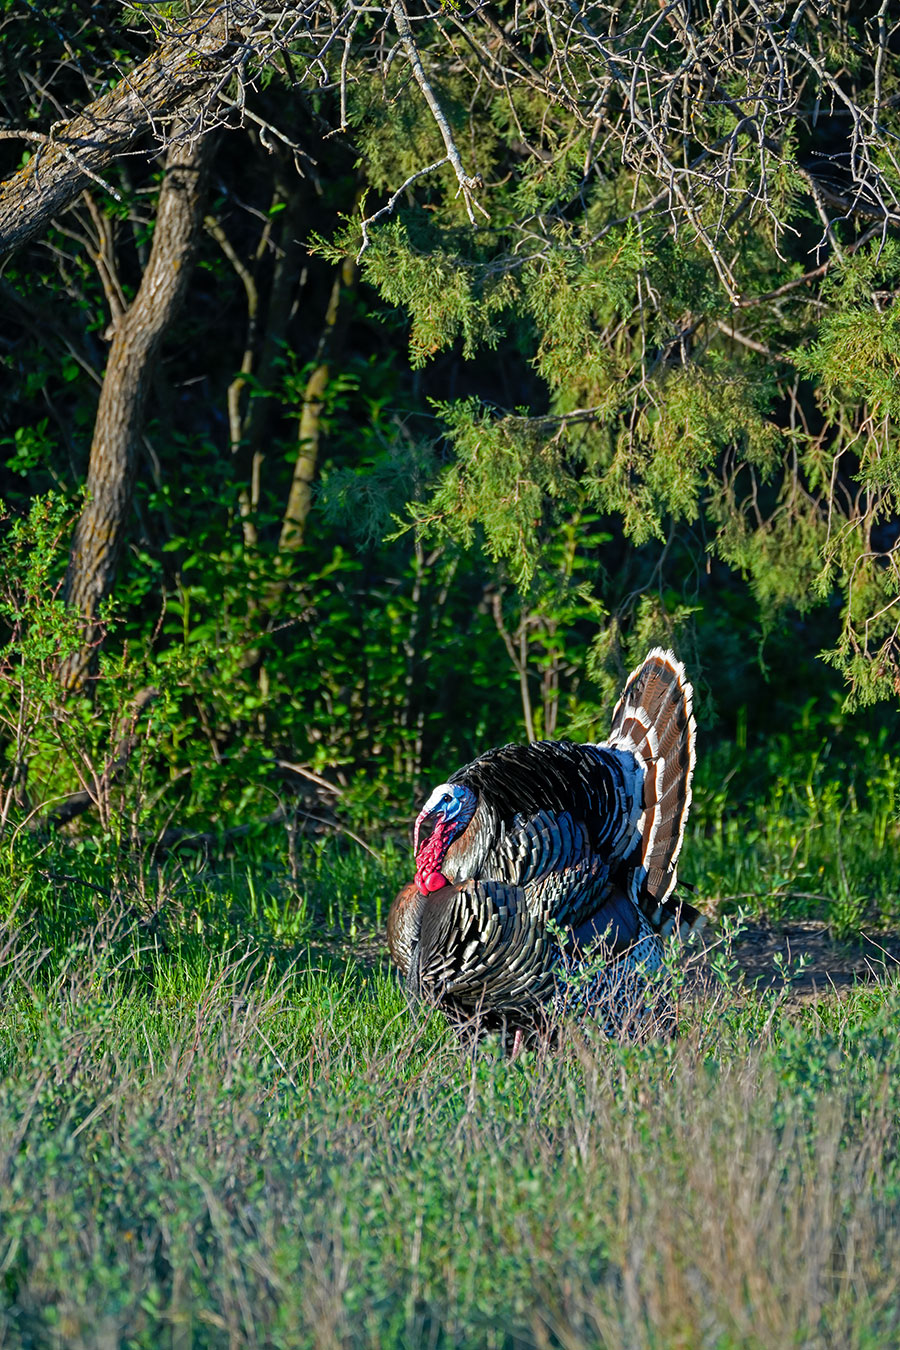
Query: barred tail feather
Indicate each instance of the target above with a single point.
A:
(654, 720)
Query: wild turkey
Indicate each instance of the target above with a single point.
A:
(532, 855)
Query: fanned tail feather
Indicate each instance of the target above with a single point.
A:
(654, 720)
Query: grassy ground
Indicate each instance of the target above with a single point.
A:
(220, 1125)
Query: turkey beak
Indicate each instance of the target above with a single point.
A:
(425, 828)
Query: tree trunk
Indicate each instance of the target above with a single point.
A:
(136, 340)
(310, 431)
(182, 71)
(249, 421)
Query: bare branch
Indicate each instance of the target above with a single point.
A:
(467, 184)
(388, 209)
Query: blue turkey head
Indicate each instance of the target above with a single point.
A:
(442, 819)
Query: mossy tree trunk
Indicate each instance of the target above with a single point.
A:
(175, 80)
(137, 336)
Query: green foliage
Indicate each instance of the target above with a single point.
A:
(659, 621)
(572, 294)
(660, 470)
(56, 741)
(822, 842)
(506, 474)
(446, 294)
(741, 417)
(857, 354)
(231, 697)
(31, 447)
(45, 741)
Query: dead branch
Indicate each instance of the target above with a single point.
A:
(467, 184)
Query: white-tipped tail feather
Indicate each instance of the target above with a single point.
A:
(654, 721)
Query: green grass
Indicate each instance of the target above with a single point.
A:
(820, 840)
(291, 1159)
(220, 1124)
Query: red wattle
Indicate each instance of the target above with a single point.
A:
(435, 881)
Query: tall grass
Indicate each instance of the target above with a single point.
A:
(264, 1150)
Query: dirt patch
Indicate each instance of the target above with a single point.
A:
(829, 967)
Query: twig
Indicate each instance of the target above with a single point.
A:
(386, 210)
(79, 802)
(308, 773)
(8, 134)
(342, 829)
(173, 837)
(737, 336)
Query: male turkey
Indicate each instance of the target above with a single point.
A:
(533, 856)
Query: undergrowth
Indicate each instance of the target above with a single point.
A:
(788, 837)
